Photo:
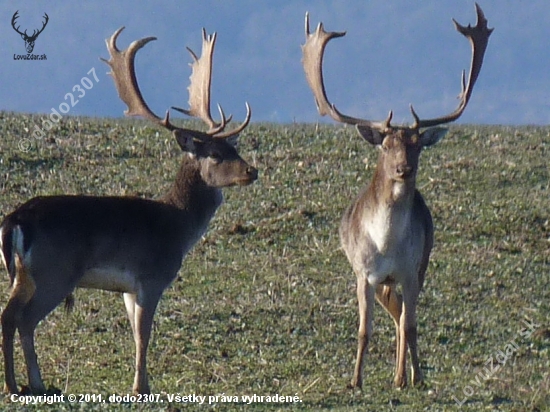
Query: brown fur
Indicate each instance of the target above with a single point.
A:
(387, 232)
(392, 195)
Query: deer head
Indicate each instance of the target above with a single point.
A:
(400, 143)
(220, 164)
(29, 40)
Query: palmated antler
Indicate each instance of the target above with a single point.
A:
(479, 38)
(199, 91)
(312, 61)
(123, 73)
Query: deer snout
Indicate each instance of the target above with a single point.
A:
(247, 176)
(404, 171)
(252, 173)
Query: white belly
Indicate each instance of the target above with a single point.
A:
(109, 279)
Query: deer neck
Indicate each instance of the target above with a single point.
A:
(190, 192)
(387, 215)
(387, 192)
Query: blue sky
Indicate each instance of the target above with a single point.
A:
(396, 52)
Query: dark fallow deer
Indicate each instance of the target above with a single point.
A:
(123, 244)
(387, 232)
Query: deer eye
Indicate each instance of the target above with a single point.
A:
(216, 157)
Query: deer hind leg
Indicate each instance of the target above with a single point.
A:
(33, 370)
(23, 290)
(141, 310)
(45, 299)
(392, 302)
(365, 298)
(9, 320)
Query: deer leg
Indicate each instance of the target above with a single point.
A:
(365, 298)
(144, 310)
(9, 316)
(44, 300)
(33, 370)
(400, 380)
(411, 335)
(23, 290)
(408, 338)
(130, 303)
(392, 302)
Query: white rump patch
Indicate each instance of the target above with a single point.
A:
(2, 247)
(17, 247)
(17, 242)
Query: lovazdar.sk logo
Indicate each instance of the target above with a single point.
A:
(29, 39)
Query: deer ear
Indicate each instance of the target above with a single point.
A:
(432, 135)
(232, 140)
(185, 140)
(371, 135)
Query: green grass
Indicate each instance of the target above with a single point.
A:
(265, 303)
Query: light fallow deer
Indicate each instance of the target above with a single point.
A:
(387, 232)
(123, 244)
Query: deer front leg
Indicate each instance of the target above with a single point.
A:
(143, 312)
(400, 380)
(408, 337)
(411, 336)
(365, 298)
(130, 304)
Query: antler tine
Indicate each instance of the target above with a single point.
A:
(199, 87)
(199, 92)
(312, 61)
(123, 73)
(479, 38)
(240, 128)
(215, 129)
(223, 121)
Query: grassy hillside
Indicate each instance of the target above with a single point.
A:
(265, 304)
